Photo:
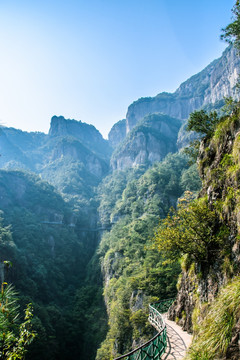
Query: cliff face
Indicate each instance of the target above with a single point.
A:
(219, 165)
(117, 133)
(148, 142)
(73, 150)
(212, 84)
(206, 89)
(85, 133)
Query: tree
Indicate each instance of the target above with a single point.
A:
(231, 33)
(192, 229)
(203, 123)
(14, 336)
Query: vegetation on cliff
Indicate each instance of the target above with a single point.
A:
(15, 336)
(41, 235)
(135, 274)
(220, 324)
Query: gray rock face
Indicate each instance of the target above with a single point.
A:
(86, 133)
(148, 142)
(62, 127)
(212, 84)
(117, 133)
(73, 149)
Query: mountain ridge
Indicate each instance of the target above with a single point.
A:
(213, 83)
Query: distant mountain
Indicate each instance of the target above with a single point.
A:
(117, 133)
(150, 141)
(73, 156)
(85, 133)
(209, 86)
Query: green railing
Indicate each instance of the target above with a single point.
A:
(154, 348)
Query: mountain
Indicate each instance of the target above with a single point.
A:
(117, 133)
(209, 86)
(150, 141)
(212, 84)
(85, 133)
(19, 148)
(70, 147)
(49, 253)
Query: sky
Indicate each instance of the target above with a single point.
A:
(90, 59)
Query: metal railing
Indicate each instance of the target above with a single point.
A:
(154, 348)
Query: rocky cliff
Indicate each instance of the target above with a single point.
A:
(150, 141)
(216, 81)
(200, 283)
(117, 133)
(85, 133)
(206, 89)
(73, 150)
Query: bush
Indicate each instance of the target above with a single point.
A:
(192, 229)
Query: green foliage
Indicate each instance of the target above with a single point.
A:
(137, 274)
(14, 336)
(231, 33)
(190, 179)
(192, 151)
(215, 330)
(203, 123)
(192, 229)
(50, 257)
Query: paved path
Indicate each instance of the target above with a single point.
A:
(178, 341)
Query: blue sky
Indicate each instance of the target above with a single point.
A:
(90, 59)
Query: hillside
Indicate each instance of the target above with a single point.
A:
(214, 317)
(49, 253)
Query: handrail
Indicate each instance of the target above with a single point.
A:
(155, 347)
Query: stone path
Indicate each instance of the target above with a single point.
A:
(178, 341)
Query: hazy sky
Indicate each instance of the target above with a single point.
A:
(90, 59)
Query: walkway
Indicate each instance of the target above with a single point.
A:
(178, 341)
(170, 342)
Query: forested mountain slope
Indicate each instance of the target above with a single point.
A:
(134, 273)
(49, 253)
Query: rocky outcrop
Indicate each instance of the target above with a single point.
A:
(74, 150)
(212, 84)
(219, 165)
(117, 133)
(148, 142)
(182, 309)
(86, 133)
